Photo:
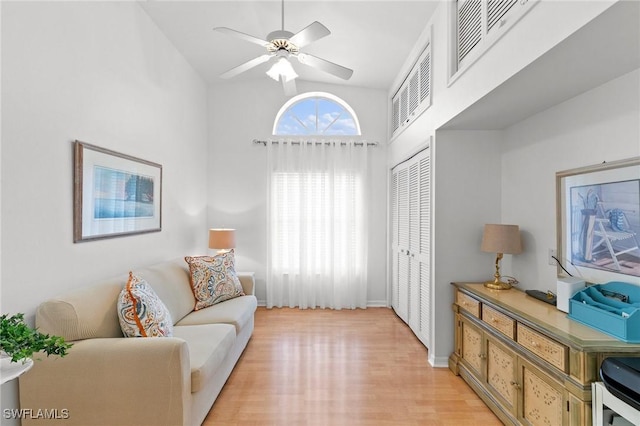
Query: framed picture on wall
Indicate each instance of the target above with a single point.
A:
(598, 220)
(114, 194)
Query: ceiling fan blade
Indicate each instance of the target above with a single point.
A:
(315, 31)
(243, 36)
(326, 66)
(246, 66)
(289, 87)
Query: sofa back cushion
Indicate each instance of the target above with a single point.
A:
(170, 281)
(91, 312)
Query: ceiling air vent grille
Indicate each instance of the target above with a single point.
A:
(404, 114)
(413, 92)
(496, 10)
(425, 77)
(469, 26)
(395, 117)
(413, 97)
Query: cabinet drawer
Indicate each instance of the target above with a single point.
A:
(468, 303)
(501, 322)
(549, 350)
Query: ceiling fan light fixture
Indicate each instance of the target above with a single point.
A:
(282, 68)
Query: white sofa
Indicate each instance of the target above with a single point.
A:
(107, 379)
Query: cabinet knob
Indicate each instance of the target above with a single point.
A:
(482, 356)
(516, 384)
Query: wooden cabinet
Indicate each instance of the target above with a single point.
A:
(528, 361)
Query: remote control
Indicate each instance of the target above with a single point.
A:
(547, 297)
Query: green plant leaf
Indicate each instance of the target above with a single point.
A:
(20, 341)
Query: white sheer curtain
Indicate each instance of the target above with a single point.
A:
(318, 200)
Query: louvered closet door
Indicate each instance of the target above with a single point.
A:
(395, 251)
(414, 92)
(425, 78)
(411, 242)
(469, 22)
(414, 245)
(496, 9)
(403, 244)
(424, 256)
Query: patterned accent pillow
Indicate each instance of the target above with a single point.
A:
(214, 279)
(141, 312)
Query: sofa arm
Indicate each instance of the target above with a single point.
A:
(123, 381)
(248, 281)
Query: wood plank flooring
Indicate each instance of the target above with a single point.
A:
(349, 367)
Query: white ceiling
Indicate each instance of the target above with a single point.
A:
(373, 38)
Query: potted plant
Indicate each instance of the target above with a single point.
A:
(19, 341)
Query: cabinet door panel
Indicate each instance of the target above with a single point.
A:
(543, 401)
(502, 373)
(472, 350)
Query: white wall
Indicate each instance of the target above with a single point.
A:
(466, 195)
(602, 124)
(100, 72)
(242, 111)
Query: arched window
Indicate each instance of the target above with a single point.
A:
(316, 114)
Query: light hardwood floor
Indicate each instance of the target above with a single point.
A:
(349, 367)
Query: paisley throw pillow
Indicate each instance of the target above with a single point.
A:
(214, 279)
(141, 312)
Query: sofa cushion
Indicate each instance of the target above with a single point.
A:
(213, 279)
(141, 312)
(208, 345)
(170, 281)
(237, 312)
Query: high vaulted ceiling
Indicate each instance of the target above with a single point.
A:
(373, 38)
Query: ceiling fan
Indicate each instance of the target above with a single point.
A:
(281, 46)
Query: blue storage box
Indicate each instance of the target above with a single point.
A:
(601, 307)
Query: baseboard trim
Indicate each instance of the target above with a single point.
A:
(439, 362)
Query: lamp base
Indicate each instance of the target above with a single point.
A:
(497, 285)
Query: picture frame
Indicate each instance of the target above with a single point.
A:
(114, 194)
(598, 221)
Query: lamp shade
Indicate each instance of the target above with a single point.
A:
(501, 239)
(222, 239)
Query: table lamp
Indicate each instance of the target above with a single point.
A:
(222, 239)
(500, 239)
